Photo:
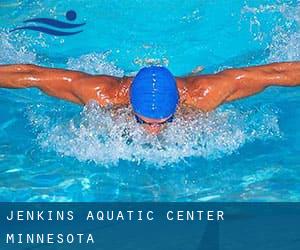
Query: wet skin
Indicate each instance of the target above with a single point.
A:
(203, 92)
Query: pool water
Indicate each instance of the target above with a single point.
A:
(248, 150)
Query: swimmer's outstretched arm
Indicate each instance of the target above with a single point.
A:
(207, 92)
(74, 86)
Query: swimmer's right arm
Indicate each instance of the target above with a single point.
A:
(74, 86)
(54, 82)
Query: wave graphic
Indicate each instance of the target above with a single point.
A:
(48, 31)
(54, 23)
(70, 15)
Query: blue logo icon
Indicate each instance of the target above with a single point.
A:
(58, 28)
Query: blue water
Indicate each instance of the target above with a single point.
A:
(248, 150)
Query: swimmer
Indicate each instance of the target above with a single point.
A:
(154, 93)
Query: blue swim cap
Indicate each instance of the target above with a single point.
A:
(154, 93)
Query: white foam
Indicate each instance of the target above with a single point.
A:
(106, 136)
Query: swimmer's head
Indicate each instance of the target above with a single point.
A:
(154, 95)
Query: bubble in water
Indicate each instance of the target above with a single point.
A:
(192, 17)
(106, 136)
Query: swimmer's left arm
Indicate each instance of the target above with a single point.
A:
(252, 80)
(207, 92)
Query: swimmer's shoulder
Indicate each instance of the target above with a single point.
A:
(191, 85)
(104, 89)
(205, 92)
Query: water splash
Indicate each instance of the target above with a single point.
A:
(285, 45)
(264, 8)
(143, 62)
(106, 136)
(12, 51)
(95, 63)
(285, 35)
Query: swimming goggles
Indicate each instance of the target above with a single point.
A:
(141, 121)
